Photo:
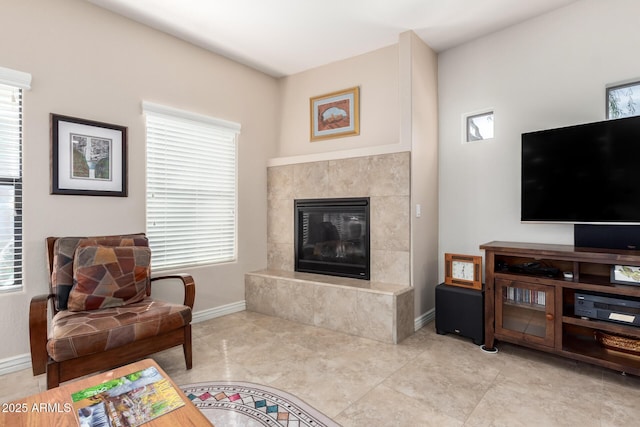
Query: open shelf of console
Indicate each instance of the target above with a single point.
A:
(538, 310)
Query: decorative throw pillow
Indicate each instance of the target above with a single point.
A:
(63, 255)
(106, 276)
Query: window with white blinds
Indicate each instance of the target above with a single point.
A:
(191, 188)
(10, 187)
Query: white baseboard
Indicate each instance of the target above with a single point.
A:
(23, 361)
(425, 318)
(15, 363)
(223, 310)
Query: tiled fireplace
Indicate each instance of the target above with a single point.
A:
(381, 308)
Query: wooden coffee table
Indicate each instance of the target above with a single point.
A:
(54, 407)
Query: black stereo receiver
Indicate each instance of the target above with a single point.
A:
(619, 310)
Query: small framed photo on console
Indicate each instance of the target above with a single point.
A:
(463, 270)
(625, 274)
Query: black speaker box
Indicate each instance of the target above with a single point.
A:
(460, 311)
(606, 236)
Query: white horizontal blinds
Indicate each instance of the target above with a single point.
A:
(191, 188)
(10, 187)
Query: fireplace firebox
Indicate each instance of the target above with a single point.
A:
(332, 237)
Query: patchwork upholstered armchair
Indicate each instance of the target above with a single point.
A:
(103, 315)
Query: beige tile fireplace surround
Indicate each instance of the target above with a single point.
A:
(380, 309)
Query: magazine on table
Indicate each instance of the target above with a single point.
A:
(128, 401)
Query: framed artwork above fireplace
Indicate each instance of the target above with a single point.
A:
(335, 114)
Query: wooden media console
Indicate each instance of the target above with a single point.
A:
(530, 297)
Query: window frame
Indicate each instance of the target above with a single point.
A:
(223, 132)
(632, 100)
(17, 82)
(468, 120)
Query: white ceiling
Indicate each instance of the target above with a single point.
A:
(284, 37)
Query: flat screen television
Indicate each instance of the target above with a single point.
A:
(587, 173)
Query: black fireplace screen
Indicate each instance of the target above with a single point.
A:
(332, 237)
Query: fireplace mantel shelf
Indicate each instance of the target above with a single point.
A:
(340, 155)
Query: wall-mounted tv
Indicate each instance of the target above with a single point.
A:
(587, 173)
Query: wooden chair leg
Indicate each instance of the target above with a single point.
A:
(53, 375)
(187, 347)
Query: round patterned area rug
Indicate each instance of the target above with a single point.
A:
(252, 405)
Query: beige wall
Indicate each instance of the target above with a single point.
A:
(376, 73)
(423, 63)
(89, 63)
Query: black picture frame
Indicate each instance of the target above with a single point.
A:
(625, 274)
(87, 157)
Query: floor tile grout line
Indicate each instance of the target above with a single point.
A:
(414, 358)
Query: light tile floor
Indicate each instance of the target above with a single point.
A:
(427, 380)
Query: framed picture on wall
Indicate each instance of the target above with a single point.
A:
(335, 114)
(87, 157)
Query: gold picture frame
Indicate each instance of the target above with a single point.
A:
(336, 114)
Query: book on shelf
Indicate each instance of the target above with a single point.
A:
(525, 296)
(128, 401)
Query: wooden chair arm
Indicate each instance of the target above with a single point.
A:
(189, 286)
(38, 333)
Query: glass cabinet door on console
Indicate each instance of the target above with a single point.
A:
(525, 311)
